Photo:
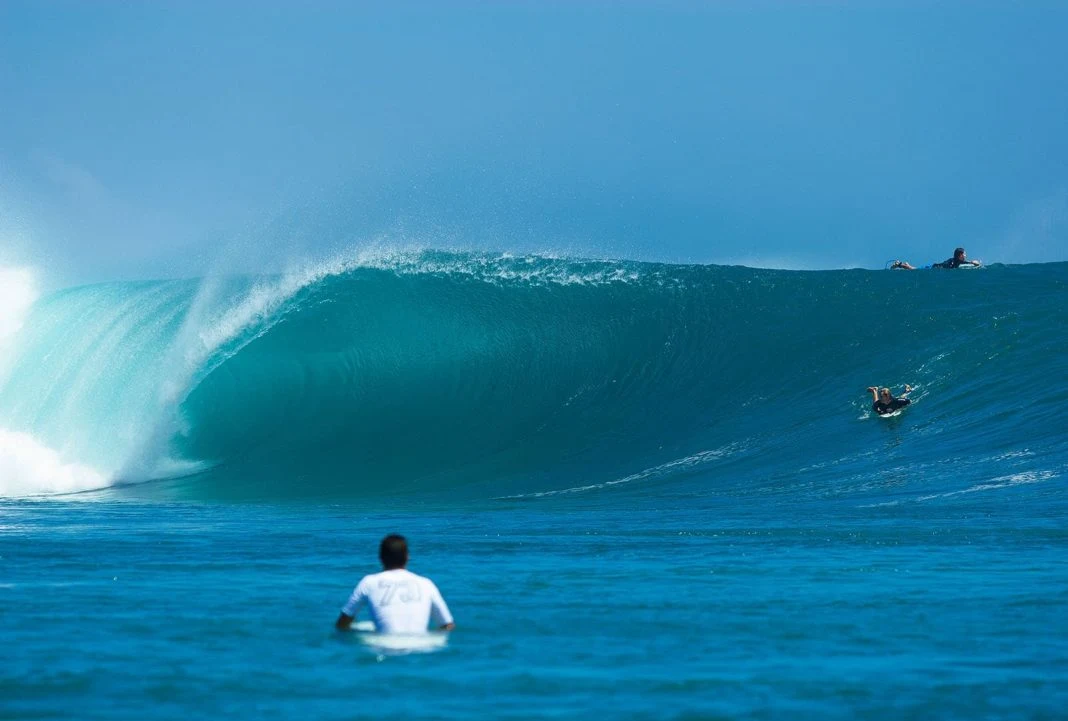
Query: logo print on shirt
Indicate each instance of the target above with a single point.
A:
(404, 592)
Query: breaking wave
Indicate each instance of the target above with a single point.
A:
(518, 376)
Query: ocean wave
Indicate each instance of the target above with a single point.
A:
(415, 371)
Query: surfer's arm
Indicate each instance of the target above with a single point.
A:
(874, 394)
(351, 608)
(439, 610)
(908, 389)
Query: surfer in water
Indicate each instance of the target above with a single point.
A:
(398, 600)
(960, 257)
(883, 402)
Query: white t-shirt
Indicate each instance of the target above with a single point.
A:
(399, 602)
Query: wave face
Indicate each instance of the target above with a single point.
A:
(438, 373)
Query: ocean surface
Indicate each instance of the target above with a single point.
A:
(646, 491)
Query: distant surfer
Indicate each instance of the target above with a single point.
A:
(959, 258)
(884, 403)
(398, 600)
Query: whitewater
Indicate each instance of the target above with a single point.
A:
(655, 490)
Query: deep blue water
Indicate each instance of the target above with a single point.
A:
(646, 491)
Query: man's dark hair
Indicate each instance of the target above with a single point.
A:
(393, 551)
(958, 252)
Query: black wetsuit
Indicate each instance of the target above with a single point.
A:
(949, 264)
(884, 408)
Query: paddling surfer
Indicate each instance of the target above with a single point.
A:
(960, 257)
(883, 402)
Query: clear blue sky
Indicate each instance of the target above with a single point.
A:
(137, 138)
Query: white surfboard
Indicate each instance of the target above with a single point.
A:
(399, 643)
(891, 414)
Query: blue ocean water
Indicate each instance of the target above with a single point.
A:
(646, 491)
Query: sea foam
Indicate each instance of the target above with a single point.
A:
(29, 468)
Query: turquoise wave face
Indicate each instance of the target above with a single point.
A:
(440, 373)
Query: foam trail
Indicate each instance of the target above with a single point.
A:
(664, 469)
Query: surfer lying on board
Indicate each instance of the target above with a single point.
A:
(884, 402)
(959, 258)
(399, 601)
